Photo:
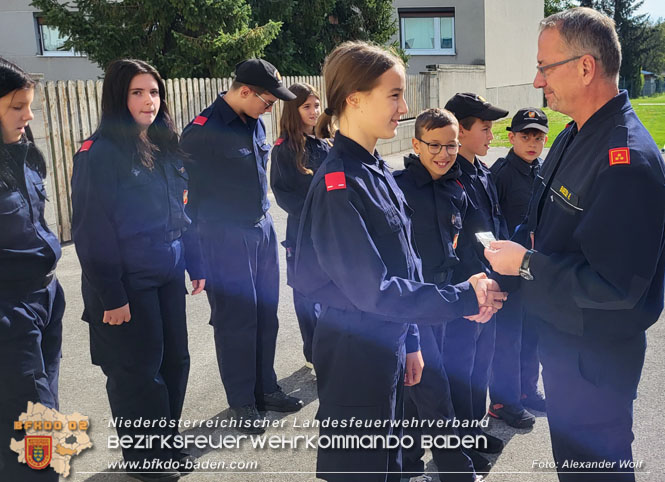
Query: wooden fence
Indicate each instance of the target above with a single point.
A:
(72, 110)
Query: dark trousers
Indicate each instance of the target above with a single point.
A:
(515, 368)
(145, 360)
(307, 313)
(243, 292)
(359, 365)
(590, 386)
(430, 400)
(30, 342)
(468, 348)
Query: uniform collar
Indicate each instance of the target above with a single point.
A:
(422, 176)
(374, 162)
(619, 102)
(227, 114)
(468, 167)
(520, 164)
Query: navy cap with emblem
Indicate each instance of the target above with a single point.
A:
(472, 105)
(260, 73)
(529, 118)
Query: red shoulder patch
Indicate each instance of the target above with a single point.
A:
(200, 120)
(619, 155)
(279, 141)
(335, 180)
(86, 146)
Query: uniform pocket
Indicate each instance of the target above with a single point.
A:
(564, 204)
(11, 202)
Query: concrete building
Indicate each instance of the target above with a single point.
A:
(35, 46)
(484, 46)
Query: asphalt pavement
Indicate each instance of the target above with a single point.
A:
(526, 457)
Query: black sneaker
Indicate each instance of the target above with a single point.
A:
(249, 419)
(278, 401)
(494, 444)
(535, 401)
(480, 464)
(517, 417)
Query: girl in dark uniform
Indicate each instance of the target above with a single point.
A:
(297, 154)
(31, 299)
(129, 190)
(356, 256)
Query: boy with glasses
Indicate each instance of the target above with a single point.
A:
(430, 182)
(228, 204)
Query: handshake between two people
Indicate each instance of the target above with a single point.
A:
(489, 295)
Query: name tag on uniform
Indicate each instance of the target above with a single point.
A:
(566, 193)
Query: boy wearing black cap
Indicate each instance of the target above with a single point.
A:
(515, 368)
(228, 204)
(468, 347)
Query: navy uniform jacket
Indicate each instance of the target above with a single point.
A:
(227, 163)
(514, 180)
(289, 185)
(598, 221)
(439, 208)
(128, 219)
(355, 249)
(28, 249)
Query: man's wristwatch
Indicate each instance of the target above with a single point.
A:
(525, 270)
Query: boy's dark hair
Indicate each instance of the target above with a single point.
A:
(235, 85)
(468, 122)
(431, 119)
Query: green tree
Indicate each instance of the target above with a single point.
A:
(181, 38)
(556, 6)
(312, 29)
(655, 61)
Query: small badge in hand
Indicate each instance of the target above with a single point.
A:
(485, 238)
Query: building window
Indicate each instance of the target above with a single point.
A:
(51, 41)
(427, 32)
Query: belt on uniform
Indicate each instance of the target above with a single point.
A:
(27, 286)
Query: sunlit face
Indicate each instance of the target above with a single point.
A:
(382, 106)
(559, 83)
(309, 111)
(528, 144)
(15, 114)
(257, 104)
(476, 141)
(444, 138)
(143, 99)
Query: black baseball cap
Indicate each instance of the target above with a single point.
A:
(529, 118)
(472, 105)
(263, 74)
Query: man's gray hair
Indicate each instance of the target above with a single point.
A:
(587, 31)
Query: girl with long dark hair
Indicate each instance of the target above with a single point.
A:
(297, 154)
(129, 191)
(32, 302)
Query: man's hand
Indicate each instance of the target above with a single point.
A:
(490, 297)
(414, 368)
(117, 316)
(198, 285)
(505, 257)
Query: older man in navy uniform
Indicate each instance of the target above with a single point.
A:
(228, 204)
(593, 278)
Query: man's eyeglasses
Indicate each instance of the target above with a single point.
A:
(268, 104)
(543, 68)
(435, 147)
